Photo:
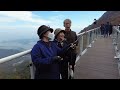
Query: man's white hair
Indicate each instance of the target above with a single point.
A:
(67, 20)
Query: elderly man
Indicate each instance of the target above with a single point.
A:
(71, 37)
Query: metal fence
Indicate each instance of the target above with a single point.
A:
(116, 43)
(85, 41)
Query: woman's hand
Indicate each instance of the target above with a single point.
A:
(57, 59)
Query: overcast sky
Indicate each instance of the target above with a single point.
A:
(24, 24)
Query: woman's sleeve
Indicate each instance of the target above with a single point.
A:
(36, 56)
(63, 51)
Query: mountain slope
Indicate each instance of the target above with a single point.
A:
(110, 16)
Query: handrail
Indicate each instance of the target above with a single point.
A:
(88, 31)
(116, 43)
(8, 58)
(115, 27)
(90, 38)
(14, 56)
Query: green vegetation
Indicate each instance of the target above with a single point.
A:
(18, 72)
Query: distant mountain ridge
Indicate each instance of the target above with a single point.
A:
(110, 16)
(7, 52)
(18, 44)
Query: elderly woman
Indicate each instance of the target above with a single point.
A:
(62, 43)
(46, 55)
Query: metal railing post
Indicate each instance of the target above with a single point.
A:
(96, 34)
(92, 36)
(88, 40)
(81, 44)
(32, 70)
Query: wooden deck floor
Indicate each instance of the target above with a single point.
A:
(98, 62)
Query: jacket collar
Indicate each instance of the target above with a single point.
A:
(45, 43)
(68, 31)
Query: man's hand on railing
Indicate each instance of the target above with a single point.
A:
(72, 45)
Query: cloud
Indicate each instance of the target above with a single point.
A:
(34, 21)
(27, 16)
(57, 21)
(57, 17)
(6, 19)
(24, 16)
(20, 27)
